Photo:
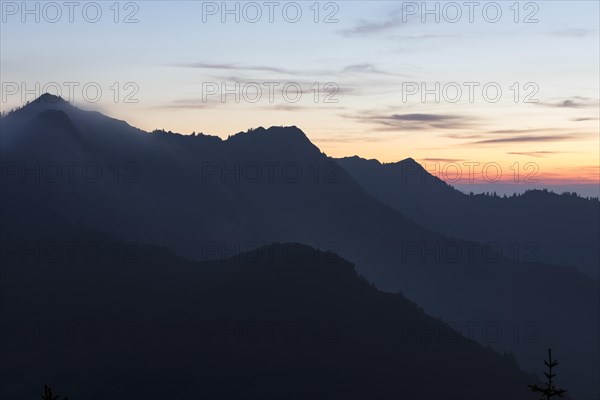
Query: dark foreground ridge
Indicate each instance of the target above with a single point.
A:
(280, 322)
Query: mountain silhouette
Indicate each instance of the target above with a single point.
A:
(207, 198)
(282, 321)
(536, 226)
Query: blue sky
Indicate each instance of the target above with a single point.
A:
(372, 52)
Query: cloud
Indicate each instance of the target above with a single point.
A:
(237, 67)
(368, 68)
(422, 117)
(413, 122)
(463, 136)
(573, 32)
(443, 160)
(568, 104)
(420, 37)
(187, 106)
(291, 107)
(370, 27)
(520, 136)
(358, 68)
(394, 19)
(574, 102)
(537, 154)
(520, 131)
(351, 139)
(192, 104)
(525, 139)
(584, 119)
(274, 93)
(589, 167)
(354, 76)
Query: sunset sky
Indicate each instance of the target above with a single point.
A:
(177, 58)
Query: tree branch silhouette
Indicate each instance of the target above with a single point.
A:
(550, 389)
(48, 395)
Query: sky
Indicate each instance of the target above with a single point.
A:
(486, 95)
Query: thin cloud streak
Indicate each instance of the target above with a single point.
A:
(362, 68)
(370, 69)
(584, 119)
(573, 32)
(525, 139)
(370, 27)
(537, 154)
(574, 102)
(235, 67)
(444, 160)
(413, 122)
(394, 20)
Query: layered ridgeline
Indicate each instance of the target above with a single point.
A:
(284, 321)
(208, 198)
(535, 226)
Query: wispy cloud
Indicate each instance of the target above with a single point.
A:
(187, 106)
(530, 135)
(422, 117)
(351, 139)
(393, 20)
(574, 102)
(585, 119)
(361, 68)
(537, 154)
(408, 122)
(192, 104)
(273, 94)
(364, 27)
(293, 107)
(442, 160)
(367, 68)
(533, 139)
(566, 104)
(420, 37)
(236, 67)
(520, 131)
(573, 32)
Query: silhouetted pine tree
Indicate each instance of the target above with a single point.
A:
(550, 390)
(49, 396)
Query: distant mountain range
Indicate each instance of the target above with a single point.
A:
(207, 198)
(532, 227)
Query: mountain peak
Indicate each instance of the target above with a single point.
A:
(44, 102)
(274, 130)
(275, 139)
(358, 160)
(49, 98)
(409, 163)
(409, 160)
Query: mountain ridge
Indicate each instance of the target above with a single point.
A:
(204, 201)
(532, 219)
